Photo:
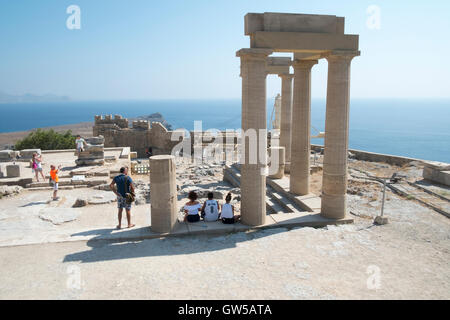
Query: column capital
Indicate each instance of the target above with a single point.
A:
(288, 76)
(304, 64)
(343, 55)
(254, 53)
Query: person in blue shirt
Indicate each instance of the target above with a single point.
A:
(123, 185)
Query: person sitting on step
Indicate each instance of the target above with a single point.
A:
(227, 215)
(210, 209)
(191, 208)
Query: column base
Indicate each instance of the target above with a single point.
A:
(287, 167)
(333, 207)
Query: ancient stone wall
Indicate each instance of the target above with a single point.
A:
(142, 135)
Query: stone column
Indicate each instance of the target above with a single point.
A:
(334, 183)
(301, 127)
(254, 135)
(286, 114)
(163, 193)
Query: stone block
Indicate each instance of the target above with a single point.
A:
(13, 171)
(8, 155)
(125, 154)
(80, 202)
(289, 22)
(100, 140)
(95, 148)
(90, 162)
(28, 153)
(381, 220)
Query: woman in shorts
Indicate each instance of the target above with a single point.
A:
(37, 166)
(192, 208)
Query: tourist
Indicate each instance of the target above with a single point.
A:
(54, 180)
(37, 166)
(210, 209)
(124, 191)
(192, 208)
(80, 142)
(227, 215)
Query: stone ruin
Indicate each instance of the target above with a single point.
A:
(144, 134)
(93, 154)
(141, 135)
(308, 38)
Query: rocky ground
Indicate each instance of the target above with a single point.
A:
(405, 259)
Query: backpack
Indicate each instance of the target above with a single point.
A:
(130, 197)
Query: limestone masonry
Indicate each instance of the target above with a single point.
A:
(143, 135)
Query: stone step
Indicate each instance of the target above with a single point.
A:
(280, 190)
(67, 182)
(230, 176)
(272, 207)
(283, 202)
(51, 188)
(308, 202)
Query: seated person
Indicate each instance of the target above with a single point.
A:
(227, 215)
(192, 208)
(210, 209)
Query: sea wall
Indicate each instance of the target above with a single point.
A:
(375, 157)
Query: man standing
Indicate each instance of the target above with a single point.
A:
(124, 185)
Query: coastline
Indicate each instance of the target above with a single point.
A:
(83, 128)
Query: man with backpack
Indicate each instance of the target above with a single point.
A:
(124, 191)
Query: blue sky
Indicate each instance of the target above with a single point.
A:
(186, 49)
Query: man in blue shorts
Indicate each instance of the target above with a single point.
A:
(124, 185)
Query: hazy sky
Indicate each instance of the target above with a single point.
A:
(148, 49)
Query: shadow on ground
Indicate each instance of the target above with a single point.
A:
(115, 249)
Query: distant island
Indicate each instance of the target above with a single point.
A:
(31, 98)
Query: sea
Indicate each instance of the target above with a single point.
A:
(417, 128)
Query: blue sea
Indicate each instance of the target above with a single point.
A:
(411, 128)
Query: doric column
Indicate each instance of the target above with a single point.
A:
(334, 183)
(254, 135)
(286, 114)
(301, 127)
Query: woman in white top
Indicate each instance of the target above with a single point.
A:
(192, 208)
(227, 215)
(210, 209)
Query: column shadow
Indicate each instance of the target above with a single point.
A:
(115, 249)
